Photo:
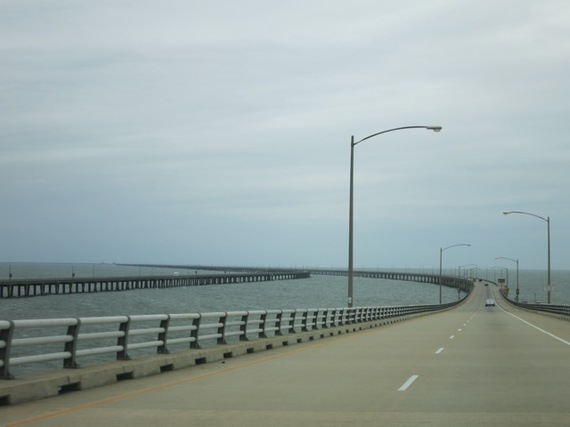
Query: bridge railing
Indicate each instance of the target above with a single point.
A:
(563, 310)
(40, 342)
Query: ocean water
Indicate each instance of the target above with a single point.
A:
(315, 292)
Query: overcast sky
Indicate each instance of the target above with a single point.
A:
(218, 132)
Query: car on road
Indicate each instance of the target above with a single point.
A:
(490, 302)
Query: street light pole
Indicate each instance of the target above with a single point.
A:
(351, 200)
(441, 265)
(547, 220)
(517, 261)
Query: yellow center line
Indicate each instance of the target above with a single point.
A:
(178, 382)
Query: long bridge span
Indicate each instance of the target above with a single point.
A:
(74, 285)
(13, 288)
(460, 283)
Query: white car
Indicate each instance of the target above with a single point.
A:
(490, 303)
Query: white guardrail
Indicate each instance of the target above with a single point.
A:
(43, 341)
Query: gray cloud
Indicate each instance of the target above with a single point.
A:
(219, 131)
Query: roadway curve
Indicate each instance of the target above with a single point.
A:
(473, 365)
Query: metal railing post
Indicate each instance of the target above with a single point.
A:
(71, 346)
(123, 340)
(6, 336)
(222, 329)
(163, 336)
(263, 321)
(304, 317)
(243, 327)
(195, 334)
(278, 321)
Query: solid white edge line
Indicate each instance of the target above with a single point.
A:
(536, 327)
(408, 383)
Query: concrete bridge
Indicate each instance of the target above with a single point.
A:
(73, 285)
(471, 365)
(13, 288)
(461, 283)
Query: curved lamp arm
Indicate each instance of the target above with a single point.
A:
(452, 246)
(525, 213)
(434, 128)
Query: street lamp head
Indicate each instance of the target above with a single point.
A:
(506, 212)
(434, 128)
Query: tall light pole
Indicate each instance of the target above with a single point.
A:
(350, 215)
(517, 261)
(547, 220)
(441, 264)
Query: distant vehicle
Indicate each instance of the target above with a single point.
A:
(176, 273)
(486, 284)
(490, 303)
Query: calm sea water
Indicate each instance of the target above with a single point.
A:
(316, 292)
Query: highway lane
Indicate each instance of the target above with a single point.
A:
(502, 366)
(473, 365)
